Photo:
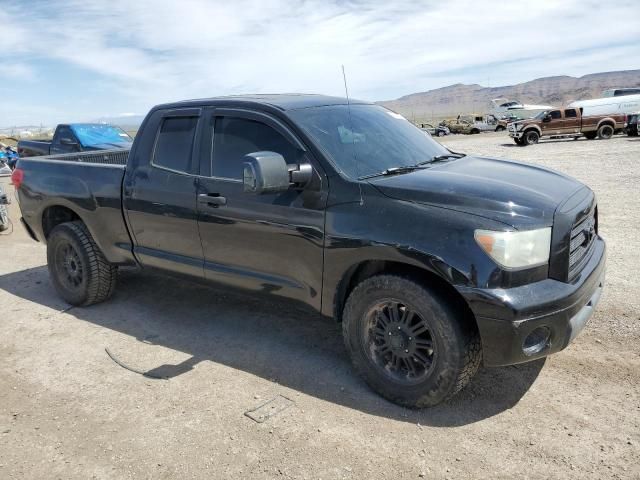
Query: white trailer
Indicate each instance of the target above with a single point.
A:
(608, 105)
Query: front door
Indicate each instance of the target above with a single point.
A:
(271, 243)
(554, 125)
(160, 193)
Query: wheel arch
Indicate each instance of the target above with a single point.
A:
(54, 215)
(607, 121)
(368, 268)
(532, 127)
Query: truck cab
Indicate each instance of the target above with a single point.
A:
(565, 122)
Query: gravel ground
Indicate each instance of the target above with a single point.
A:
(67, 410)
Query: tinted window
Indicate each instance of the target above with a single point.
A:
(66, 133)
(556, 114)
(570, 113)
(175, 142)
(236, 137)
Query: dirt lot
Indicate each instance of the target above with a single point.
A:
(67, 410)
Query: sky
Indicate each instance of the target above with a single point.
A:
(75, 60)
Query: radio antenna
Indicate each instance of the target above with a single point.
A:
(353, 133)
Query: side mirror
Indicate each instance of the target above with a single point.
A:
(547, 118)
(268, 172)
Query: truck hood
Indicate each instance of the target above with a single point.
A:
(520, 195)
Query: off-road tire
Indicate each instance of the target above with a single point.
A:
(457, 347)
(500, 128)
(474, 131)
(440, 133)
(605, 132)
(98, 277)
(518, 141)
(530, 137)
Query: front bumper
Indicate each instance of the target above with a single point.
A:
(506, 317)
(515, 134)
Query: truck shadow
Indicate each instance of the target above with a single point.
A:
(272, 339)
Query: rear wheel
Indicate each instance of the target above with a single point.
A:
(79, 271)
(605, 132)
(531, 137)
(590, 135)
(499, 128)
(409, 344)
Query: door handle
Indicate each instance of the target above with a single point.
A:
(213, 200)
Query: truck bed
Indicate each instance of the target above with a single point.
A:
(32, 148)
(88, 183)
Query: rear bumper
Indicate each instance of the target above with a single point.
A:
(506, 317)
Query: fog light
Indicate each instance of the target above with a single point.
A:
(536, 341)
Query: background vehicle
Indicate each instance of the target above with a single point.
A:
(631, 124)
(4, 214)
(503, 106)
(609, 105)
(433, 261)
(437, 131)
(472, 124)
(620, 92)
(77, 137)
(565, 122)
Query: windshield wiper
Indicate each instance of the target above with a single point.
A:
(441, 158)
(393, 171)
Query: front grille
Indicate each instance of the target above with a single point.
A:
(583, 235)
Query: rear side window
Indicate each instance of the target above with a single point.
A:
(556, 114)
(233, 138)
(570, 113)
(175, 143)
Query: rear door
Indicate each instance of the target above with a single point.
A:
(160, 192)
(273, 242)
(571, 121)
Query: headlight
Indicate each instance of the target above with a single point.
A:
(529, 248)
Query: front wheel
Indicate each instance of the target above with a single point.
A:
(531, 137)
(408, 343)
(79, 271)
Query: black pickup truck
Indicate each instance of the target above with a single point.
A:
(77, 137)
(434, 261)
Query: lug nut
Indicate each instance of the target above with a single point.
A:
(406, 351)
(399, 328)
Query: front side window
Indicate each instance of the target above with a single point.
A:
(556, 114)
(175, 143)
(366, 139)
(233, 138)
(64, 133)
(571, 113)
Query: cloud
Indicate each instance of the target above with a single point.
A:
(151, 51)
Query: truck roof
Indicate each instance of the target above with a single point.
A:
(283, 101)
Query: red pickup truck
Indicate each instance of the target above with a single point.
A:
(565, 122)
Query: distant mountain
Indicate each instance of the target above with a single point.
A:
(560, 90)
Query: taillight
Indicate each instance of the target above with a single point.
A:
(17, 177)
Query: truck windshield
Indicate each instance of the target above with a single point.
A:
(368, 139)
(101, 135)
